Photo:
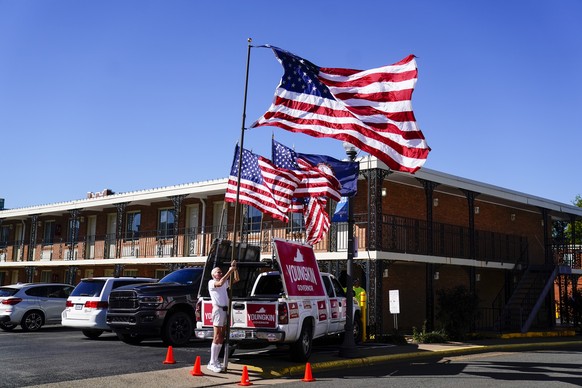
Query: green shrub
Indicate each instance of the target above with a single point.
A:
(433, 337)
(457, 308)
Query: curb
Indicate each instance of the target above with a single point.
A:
(373, 360)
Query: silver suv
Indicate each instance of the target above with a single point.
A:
(86, 307)
(32, 305)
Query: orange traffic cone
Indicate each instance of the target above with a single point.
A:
(196, 370)
(244, 380)
(170, 356)
(308, 377)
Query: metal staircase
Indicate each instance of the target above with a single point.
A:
(521, 311)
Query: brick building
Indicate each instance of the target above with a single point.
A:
(415, 233)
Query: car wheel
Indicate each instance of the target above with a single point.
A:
(93, 334)
(178, 329)
(32, 321)
(7, 326)
(301, 349)
(130, 339)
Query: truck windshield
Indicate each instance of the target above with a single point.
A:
(269, 285)
(183, 276)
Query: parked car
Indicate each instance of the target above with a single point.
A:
(32, 305)
(87, 305)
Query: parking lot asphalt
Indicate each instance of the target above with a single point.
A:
(266, 369)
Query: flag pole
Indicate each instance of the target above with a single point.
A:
(236, 204)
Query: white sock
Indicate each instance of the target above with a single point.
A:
(214, 352)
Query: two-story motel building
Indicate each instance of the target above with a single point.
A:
(414, 233)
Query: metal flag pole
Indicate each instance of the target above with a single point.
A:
(236, 206)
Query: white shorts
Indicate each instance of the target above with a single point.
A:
(218, 316)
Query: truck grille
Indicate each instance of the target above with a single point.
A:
(123, 300)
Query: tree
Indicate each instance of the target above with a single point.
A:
(578, 225)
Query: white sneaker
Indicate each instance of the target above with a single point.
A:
(214, 368)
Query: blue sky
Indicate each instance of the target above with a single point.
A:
(136, 94)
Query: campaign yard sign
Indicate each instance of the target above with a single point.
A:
(299, 268)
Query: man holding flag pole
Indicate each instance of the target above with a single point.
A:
(370, 109)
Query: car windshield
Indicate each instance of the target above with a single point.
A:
(7, 291)
(183, 276)
(89, 287)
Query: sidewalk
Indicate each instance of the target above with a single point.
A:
(270, 369)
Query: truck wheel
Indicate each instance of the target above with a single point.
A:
(92, 334)
(178, 329)
(301, 349)
(130, 339)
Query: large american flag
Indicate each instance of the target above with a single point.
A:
(370, 109)
(262, 184)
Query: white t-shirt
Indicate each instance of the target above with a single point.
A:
(218, 295)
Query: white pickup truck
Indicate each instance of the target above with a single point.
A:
(291, 304)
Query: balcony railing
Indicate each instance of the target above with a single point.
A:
(397, 234)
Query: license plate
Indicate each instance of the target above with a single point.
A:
(237, 334)
(78, 306)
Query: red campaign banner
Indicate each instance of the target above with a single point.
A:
(293, 310)
(261, 315)
(299, 267)
(334, 307)
(207, 318)
(322, 310)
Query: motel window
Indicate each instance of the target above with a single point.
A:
(48, 237)
(130, 272)
(132, 225)
(166, 223)
(73, 235)
(296, 223)
(160, 273)
(253, 218)
(4, 236)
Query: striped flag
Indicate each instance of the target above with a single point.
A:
(370, 109)
(316, 220)
(311, 196)
(262, 185)
(316, 180)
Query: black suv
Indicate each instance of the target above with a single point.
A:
(164, 309)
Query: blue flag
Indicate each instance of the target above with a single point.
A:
(345, 172)
(341, 211)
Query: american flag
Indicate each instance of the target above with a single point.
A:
(370, 109)
(311, 195)
(317, 220)
(316, 181)
(262, 185)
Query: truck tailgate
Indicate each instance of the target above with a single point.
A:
(247, 314)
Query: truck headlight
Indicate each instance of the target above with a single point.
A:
(151, 299)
